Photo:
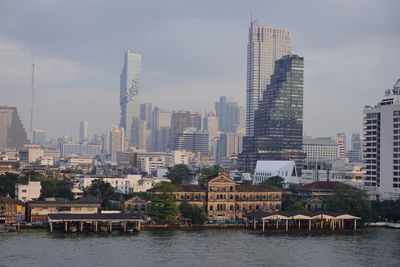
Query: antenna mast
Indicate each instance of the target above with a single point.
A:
(33, 94)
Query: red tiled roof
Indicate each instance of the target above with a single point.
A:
(255, 188)
(321, 185)
(189, 188)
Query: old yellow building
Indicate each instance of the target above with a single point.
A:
(11, 210)
(222, 199)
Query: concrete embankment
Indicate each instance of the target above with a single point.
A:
(383, 224)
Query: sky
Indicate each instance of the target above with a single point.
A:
(193, 52)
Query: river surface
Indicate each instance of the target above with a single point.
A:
(205, 247)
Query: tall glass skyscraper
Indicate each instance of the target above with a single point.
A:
(265, 46)
(130, 97)
(278, 127)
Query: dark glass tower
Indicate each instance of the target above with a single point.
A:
(278, 122)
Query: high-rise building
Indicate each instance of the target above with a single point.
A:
(117, 143)
(340, 139)
(320, 148)
(210, 124)
(278, 131)
(12, 132)
(355, 153)
(130, 98)
(83, 132)
(228, 113)
(39, 137)
(191, 140)
(146, 111)
(265, 46)
(160, 129)
(227, 145)
(144, 134)
(180, 120)
(382, 146)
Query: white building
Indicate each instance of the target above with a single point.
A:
(382, 146)
(150, 164)
(320, 148)
(28, 192)
(30, 153)
(175, 157)
(269, 168)
(46, 161)
(123, 184)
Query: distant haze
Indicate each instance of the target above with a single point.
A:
(193, 52)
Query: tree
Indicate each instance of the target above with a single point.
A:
(275, 182)
(63, 189)
(49, 187)
(163, 207)
(292, 202)
(348, 199)
(208, 173)
(179, 174)
(193, 212)
(100, 189)
(7, 184)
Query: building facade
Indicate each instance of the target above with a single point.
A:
(382, 146)
(228, 113)
(320, 148)
(83, 132)
(28, 192)
(191, 140)
(39, 137)
(130, 97)
(265, 46)
(278, 128)
(11, 210)
(222, 199)
(12, 131)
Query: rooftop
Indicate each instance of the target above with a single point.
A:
(327, 185)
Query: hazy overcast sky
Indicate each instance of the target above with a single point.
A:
(193, 52)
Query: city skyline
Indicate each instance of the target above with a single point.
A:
(343, 63)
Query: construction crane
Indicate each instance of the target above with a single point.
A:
(105, 169)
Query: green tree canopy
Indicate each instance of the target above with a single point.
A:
(49, 187)
(350, 200)
(163, 207)
(7, 183)
(208, 173)
(193, 212)
(63, 189)
(100, 189)
(179, 174)
(275, 182)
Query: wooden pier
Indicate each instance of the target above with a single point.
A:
(95, 222)
(301, 220)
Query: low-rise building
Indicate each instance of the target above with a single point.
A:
(38, 210)
(11, 210)
(222, 199)
(137, 206)
(28, 192)
(322, 188)
(266, 169)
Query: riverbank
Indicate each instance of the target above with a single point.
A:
(383, 224)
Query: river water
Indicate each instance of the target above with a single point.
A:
(205, 247)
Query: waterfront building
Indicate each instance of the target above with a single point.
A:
(222, 199)
(117, 141)
(160, 129)
(318, 189)
(39, 137)
(382, 146)
(278, 128)
(11, 210)
(38, 210)
(228, 113)
(83, 132)
(191, 140)
(12, 131)
(28, 192)
(130, 98)
(320, 148)
(136, 206)
(266, 169)
(265, 46)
